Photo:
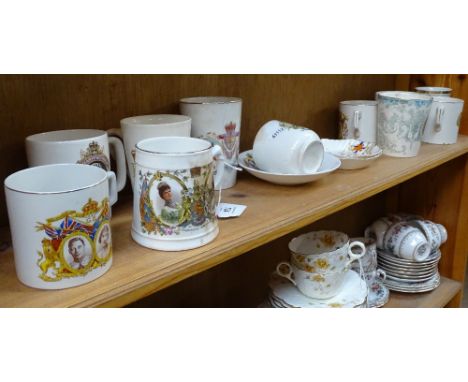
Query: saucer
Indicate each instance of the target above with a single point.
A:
(353, 294)
(353, 154)
(378, 294)
(330, 163)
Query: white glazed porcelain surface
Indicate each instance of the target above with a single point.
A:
(325, 251)
(369, 260)
(444, 120)
(82, 146)
(330, 163)
(432, 232)
(60, 224)
(281, 147)
(400, 120)
(407, 242)
(218, 120)
(135, 129)
(352, 153)
(314, 285)
(434, 91)
(174, 203)
(358, 120)
(353, 293)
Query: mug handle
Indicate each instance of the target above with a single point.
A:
(353, 256)
(218, 157)
(117, 151)
(287, 275)
(357, 120)
(380, 273)
(439, 118)
(115, 132)
(112, 180)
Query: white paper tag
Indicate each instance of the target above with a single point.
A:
(227, 210)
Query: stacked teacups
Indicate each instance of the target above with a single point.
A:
(281, 147)
(408, 251)
(320, 262)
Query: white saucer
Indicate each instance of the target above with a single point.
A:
(354, 154)
(353, 294)
(330, 163)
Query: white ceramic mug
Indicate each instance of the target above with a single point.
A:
(400, 120)
(358, 120)
(444, 121)
(174, 201)
(218, 120)
(84, 146)
(281, 147)
(60, 223)
(434, 91)
(134, 129)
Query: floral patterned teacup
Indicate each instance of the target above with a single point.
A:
(435, 233)
(315, 285)
(324, 251)
(407, 242)
(369, 260)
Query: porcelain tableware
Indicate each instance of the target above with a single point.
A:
(413, 287)
(432, 259)
(378, 294)
(325, 251)
(134, 129)
(434, 91)
(353, 294)
(174, 200)
(284, 148)
(218, 120)
(60, 223)
(378, 229)
(400, 120)
(315, 285)
(352, 153)
(369, 260)
(84, 146)
(330, 163)
(407, 242)
(436, 234)
(358, 120)
(444, 120)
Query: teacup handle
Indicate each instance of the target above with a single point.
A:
(380, 273)
(112, 180)
(117, 149)
(288, 274)
(218, 157)
(439, 118)
(353, 256)
(357, 120)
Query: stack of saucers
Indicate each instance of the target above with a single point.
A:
(283, 294)
(410, 276)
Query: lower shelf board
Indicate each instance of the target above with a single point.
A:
(438, 298)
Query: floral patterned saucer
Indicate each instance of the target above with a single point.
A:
(353, 294)
(330, 163)
(378, 294)
(354, 154)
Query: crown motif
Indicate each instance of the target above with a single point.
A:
(231, 126)
(94, 149)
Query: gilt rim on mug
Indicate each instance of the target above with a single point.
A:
(210, 100)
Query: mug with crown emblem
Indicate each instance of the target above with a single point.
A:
(217, 120)
(82, 146)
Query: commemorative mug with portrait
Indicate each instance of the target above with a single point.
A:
(434, 91)
(444, 121)
(60, 223)
(218, 120)
(83, 146)
(174, 200)
(324, 251)
(134, 129)
(358, 120)
(281, 147)
(400, 120)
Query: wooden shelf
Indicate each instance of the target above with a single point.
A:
(437, 298)
(272, 212)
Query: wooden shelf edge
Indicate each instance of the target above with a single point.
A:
(438, 298)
